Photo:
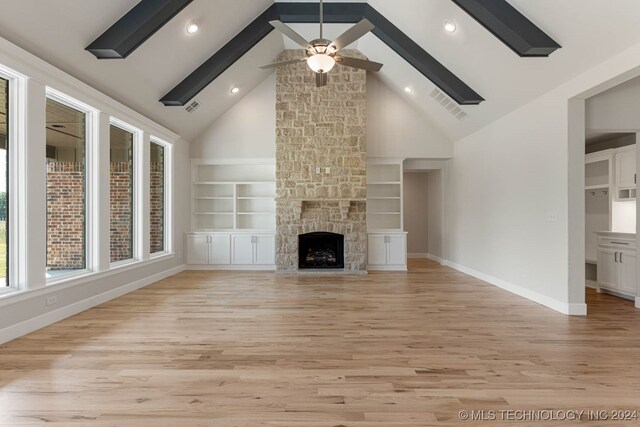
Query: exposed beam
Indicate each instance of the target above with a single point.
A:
(420, 59)
(135, 27)
(344, 13)
(222, 59)
(510, 26)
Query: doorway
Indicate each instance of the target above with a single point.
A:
(424, 210)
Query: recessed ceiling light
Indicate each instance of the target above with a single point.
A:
(235, 90)
(450, 26)
(193, 27)
(408, 89)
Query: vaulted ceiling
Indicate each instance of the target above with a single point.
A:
(59, 30)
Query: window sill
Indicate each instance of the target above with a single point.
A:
(16, 295)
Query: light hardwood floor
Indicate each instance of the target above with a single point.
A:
(255, 349)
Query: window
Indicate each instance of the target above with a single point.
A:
(4, 182)
(66, 189)
(158, 196)
(121, 195)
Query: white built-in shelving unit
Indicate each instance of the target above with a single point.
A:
(232, 195)
(384, 195)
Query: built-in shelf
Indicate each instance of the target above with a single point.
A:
(213, 213)
(213, 198)
(384, 196)
(233, 195)
(597, 187)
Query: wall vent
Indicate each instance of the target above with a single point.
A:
(449, 104)
(193, 106)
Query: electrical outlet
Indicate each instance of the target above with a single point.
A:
(51, 300)
(327, 170)
(552, 217)
(317, 170)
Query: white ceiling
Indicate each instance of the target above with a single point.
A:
(590, 31)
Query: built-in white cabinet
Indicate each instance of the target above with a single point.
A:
(248, 249)
(208, 249)
(387, 251)
(617, 263)
(626, 174)
(231, 250)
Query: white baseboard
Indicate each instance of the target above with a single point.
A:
(231, 267)
(425, 256)
(637, 302)
(418, 255)
(387, 268)
(19, 329)
(435, 258)
(591, 284)
(559, 306)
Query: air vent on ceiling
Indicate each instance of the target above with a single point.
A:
(192, 106)
(449, 104)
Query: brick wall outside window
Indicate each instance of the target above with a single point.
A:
(65, 216)
(121, 211)
(157, 207)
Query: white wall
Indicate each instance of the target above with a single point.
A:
(396, 129)
(246, 130)
(617, 109)
(25, 310)
(416, 212)
(517, 193)
(435, 223)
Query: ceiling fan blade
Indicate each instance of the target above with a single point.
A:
(288, 31)
(322, 79)
(277, 64)
(352, 34)
(362, 64)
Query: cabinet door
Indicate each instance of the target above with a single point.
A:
(242, 249)
(607, 268)
(397, 249)
(265, 247)
(377, 248)
(220, 249)
(627, 264)
(626, 169)
(197, 247)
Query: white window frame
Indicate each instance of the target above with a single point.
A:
(138, 182)
(91, 184)
(168, 196)
(16, 142)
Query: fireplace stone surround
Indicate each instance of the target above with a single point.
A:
(320, 161)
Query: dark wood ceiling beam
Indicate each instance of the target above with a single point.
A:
(510, 26)
(222, 59)
(135, 27)
(346, 13)
(420, 59)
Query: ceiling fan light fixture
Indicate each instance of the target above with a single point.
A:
(321, 63)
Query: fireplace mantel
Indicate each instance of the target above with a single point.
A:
(345, 204)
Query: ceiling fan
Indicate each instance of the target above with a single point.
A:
(322, 55)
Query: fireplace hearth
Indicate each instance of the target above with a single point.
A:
(321, 250)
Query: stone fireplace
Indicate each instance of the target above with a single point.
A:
(321, 250)
(320, 162)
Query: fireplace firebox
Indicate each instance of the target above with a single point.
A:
(321, 250)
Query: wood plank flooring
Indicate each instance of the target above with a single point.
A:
(255, 349)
